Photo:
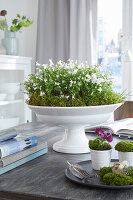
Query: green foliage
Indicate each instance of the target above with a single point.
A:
(124, 146)
(104, 170)
(130, 171)
(116, 179)
(3, 25)
(99, 144)
(19, 22)
(72, 83)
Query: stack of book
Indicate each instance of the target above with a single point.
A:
(16, 150)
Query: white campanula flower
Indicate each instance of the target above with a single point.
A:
(37, 64)
(45, 66)
(67, 97)
(87, 80)
(71, 83)
(99, 89)
(56, 83)
(59, 62)
(75, 71)
(88, 76)
(99, 81)
(51, 62)
(42, 93)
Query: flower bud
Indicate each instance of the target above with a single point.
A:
(3, 12)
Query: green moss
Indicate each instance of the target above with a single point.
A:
(130, 171)
(124, 146)
(104, 170)
(116, 179)
(99, 144)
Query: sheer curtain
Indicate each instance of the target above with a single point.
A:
(67, 29)
(127, 47)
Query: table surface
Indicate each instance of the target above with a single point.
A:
(44, 177)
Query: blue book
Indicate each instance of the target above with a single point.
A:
(23, 160)
(17, 144)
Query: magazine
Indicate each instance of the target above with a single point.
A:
(7, 134)
(119, 127)
(17, 144)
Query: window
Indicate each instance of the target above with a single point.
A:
(109, 38)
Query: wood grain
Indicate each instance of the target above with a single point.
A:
(124, 111)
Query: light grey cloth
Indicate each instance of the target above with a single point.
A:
(67, 29)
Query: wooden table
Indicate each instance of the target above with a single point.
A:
(43, 178)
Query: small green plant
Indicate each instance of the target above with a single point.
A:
(70, 84)
(17, 24)
(124, 146)
(101, 143)
(116, 179)
(130, 171)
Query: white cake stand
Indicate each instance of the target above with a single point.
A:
(74, 119)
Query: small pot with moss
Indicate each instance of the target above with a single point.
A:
(100, 149)
(125, 151)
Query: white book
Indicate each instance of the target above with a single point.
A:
(119, 127)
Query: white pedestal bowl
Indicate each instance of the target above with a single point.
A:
(74, 120)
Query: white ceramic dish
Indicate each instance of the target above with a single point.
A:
(8, 122)
(10, 88)
(75, 120)
(3, 97)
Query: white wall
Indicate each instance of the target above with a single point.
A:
(27, 38)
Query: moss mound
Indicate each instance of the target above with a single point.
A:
(99, 144)
(116, 179)
(124, 146)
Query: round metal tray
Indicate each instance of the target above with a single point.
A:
(93, 182)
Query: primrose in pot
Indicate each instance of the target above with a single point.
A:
(100, 149)
(125, 151)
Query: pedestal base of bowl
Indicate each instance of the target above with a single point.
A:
(74, 141)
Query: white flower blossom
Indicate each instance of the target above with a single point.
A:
(56, 83)
(51, 62)
(45, 66)
(71, 82)
(37, 64)
(99, 89)
(60, 62)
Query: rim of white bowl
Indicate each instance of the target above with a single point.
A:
(75, 107)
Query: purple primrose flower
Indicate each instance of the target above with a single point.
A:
(106, 135)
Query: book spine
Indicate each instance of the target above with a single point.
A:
(13, 146)
(22, 161)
